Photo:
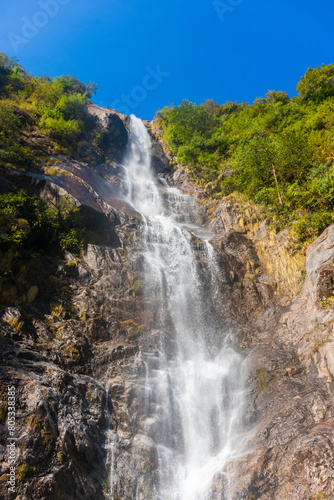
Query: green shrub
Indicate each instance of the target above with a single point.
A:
(31, 230)
(25, 471)
(60, 129)
(54, 107)
(32, 294)
(312, 225)
(278, 151)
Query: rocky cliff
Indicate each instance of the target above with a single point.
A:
(75, 369)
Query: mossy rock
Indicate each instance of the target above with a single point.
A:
(35, 422)
(138, 286)
(74, 353)
(48, 440)
(25, 471)
(262, 379)
(83, 316)
(61, 458)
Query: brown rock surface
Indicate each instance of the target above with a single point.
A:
(290, 391)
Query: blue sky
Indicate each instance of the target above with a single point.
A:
(146, 54)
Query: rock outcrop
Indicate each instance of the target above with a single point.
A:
(113, 130)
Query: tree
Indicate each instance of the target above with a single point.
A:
(255, 160)
(273, 97)
(69, 84)
(295, 156)
(317, 84)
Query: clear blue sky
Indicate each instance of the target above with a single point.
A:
(237, 55)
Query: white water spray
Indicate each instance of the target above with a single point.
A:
(193, 382)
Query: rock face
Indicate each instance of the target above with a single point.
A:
(319, 266)
(160, 162)
(112, 129)
(224, 217)
(291, 391)
(58, 366)
(76, 371)
(183, 180)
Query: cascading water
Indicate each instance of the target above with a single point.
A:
(192, 385)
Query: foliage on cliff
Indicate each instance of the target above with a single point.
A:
(41, 115)
(31, 231)
(278, 152)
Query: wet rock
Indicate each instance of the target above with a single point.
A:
(59, 443)
(144, 450)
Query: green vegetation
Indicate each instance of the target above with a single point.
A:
(74, 353)
(28, 222)
(326, 302)
(25, 471)
(278, 152)
(51, 111)
(31, 230)
(40, 117)
(16, 323)
(71, 269)
(137, 287)
(132, 329)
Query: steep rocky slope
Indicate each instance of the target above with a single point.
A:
(76, 372)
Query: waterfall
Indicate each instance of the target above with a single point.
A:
(193, 379)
